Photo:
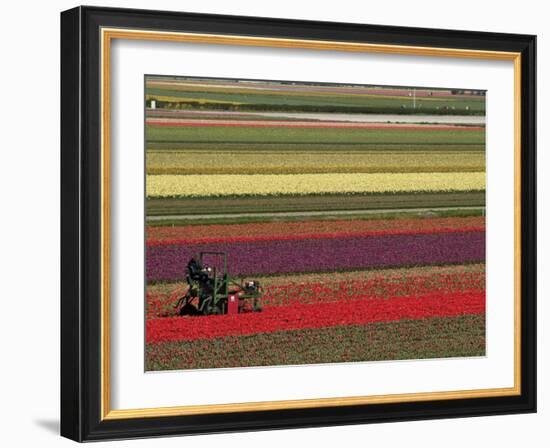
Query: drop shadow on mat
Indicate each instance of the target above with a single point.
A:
(49, 425)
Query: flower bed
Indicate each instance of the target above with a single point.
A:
(321, 315)
(168, 263)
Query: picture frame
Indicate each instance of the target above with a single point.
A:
(87, 35)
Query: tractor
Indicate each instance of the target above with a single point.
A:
(210, 291)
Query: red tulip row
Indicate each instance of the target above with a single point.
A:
(309, 229)
(287, 294)
(320, 315)
(407, 339)
(330, 287)
(312, 236)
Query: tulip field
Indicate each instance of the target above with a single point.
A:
(359, 209)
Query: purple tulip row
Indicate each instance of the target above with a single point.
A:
(321, 255)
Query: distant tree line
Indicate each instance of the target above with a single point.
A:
(467, 92)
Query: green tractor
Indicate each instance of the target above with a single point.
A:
(213, 292)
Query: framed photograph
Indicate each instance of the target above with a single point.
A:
(274, 223)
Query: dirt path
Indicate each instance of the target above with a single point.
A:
(306, 214)
(305, 124)
(380, 118)
(324, 116)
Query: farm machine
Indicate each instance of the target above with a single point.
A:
(212, 291)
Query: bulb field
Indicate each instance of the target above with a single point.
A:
(360, 210)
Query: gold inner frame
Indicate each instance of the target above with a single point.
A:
(107, 35)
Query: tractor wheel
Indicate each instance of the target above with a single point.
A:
(208, 308)
(188, 310)
(204, 307)
(257, 308)
(215, 310)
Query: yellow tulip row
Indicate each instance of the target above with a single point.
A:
(175, 162)
(173, 185)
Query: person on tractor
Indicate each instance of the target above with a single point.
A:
(198, 272)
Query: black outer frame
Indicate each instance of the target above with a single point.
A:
(81, 208)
